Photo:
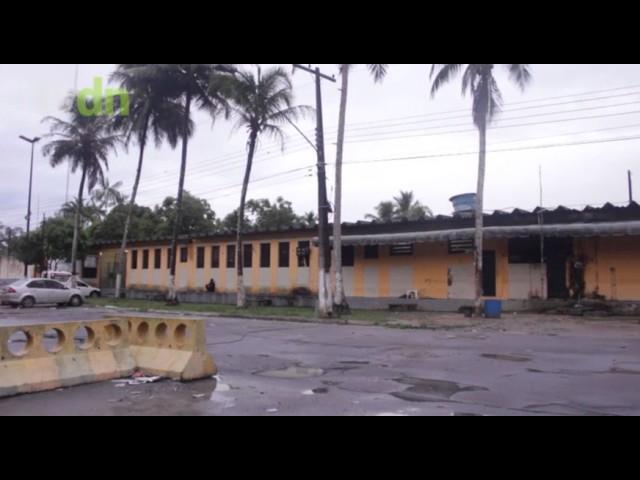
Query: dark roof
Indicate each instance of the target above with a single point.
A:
(517, 217)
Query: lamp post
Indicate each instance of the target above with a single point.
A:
(33, 142)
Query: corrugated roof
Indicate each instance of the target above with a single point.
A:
(606, 229)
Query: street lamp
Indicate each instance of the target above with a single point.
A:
(33, 142)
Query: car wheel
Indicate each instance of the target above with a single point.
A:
(94, 295)
(28, 302)
(75, 301)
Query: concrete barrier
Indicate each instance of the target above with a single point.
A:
(172, 348)
(37, 358)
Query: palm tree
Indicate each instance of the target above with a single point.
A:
(261, 103)
(407, 208)
(479, 79)
(196, 85)
(89, 214)
(85, 142)
(151, 113)
(378, 71)
(403, 208)
(384, 213)
(107, 196)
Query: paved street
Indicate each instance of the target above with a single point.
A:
(528, 366)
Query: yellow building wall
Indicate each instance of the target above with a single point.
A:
(429, 264)
(198, 278)
(612, 266)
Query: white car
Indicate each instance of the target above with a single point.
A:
(87, 290)
(39, 291)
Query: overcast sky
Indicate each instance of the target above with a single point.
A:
(585, 106)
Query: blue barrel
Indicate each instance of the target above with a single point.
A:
(493, 308)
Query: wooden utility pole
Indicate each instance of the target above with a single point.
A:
(630, 187)
(325, 300)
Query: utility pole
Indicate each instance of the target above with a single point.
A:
(630, 187)
(45, 259)
(33, 142)
(541, 222)
(325, 300)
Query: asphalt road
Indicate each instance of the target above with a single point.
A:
(286, 368)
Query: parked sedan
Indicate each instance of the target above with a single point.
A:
(4, 282)
(87, 290)
(29, 293)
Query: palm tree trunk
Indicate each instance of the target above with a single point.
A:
(76, 230)
(173, 297)
(121, 258)
(242, 294)
(480, 218)
(340, 297)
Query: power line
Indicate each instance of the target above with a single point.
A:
(515, 149)
(361, 138)
(269, 156)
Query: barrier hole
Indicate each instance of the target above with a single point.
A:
(113, 335)
(180, 335)
(161, 331)
(20, 343)
(143, 331)
(84, 338)
(53, 340)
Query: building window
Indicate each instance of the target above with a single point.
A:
(200, 258)
(283, 255)
(348, 256)
(145, 259)
(231, 256)
(401, 250)
(304, 254)
(157, 258)
(215, 257)
(168, 258)
(184, 255)
(247, 256)
(265, 255)
(134, 260)
(371, 252)
(461, 246)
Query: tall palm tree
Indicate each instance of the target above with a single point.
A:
(152, 113)
(262, 103)
(107, 195)
(85, 142)
(479, 80)
(378, 71)
(195, 85)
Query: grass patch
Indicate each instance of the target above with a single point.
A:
(375, 317)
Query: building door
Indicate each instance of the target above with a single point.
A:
(557, 253)
(489, 273)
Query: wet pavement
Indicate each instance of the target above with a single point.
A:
(285, 368)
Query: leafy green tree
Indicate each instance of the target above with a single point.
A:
(145, 223)
(196, 217)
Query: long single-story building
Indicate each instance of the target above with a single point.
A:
(542, 254)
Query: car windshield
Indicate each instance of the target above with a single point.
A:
(5, 282)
